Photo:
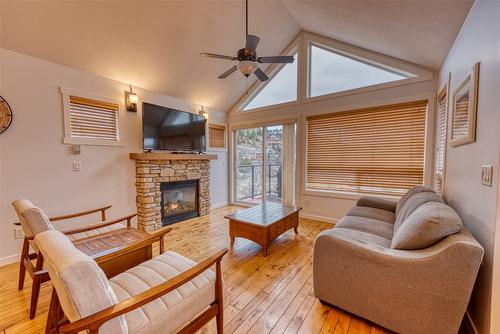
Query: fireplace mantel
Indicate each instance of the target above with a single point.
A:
(171, 156)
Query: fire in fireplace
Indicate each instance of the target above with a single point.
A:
(179, 201)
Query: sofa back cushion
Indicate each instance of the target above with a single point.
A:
(413, 203)
(409, 194)
(428, 224)
(81, 285)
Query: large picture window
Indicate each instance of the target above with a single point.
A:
(377, 150)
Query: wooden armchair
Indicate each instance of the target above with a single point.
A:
(158, 296)
(33, 221)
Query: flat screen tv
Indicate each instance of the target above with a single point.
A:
(173, 130)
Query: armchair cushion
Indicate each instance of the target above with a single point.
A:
(36, 220)
(170, 312)
(427, 225)
(81, 285)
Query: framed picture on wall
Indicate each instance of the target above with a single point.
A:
(463, 127)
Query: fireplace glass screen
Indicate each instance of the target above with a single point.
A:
(179, 201)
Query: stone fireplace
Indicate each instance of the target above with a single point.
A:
(171, 187)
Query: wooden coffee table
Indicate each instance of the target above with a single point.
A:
(263, 223)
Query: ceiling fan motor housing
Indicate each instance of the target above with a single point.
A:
(243, 54)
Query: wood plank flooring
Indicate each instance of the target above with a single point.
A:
(270, 294)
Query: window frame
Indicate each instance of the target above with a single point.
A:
(300, 44)
(354, 195)
(69, 140)
(217, 125)
(443, 93)
(311, 44)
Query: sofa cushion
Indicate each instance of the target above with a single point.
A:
(410, 193)
(377, 202)
(413, 203)
(374, 213)
(168, 313)
(367, 225)
(364, 237)
(81, 285)
(427, 225)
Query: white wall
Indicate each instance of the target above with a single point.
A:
(478, 41)
(34, 163)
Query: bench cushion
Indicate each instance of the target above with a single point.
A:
(175, 309)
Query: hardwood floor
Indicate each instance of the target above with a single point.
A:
(270, 294)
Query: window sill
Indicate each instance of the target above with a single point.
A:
(346, 195)
(73, 141)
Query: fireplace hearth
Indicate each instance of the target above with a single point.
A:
(179, 201)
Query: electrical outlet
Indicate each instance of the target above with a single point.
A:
(18, 233)
(77, 166)
(486, 175)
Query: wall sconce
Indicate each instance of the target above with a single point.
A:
(131, 100)
(203, 112)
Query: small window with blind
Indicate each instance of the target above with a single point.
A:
(439, 172)
(216, 136)
(377, 150)
(90, 120)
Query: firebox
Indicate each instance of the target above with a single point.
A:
(179, 201)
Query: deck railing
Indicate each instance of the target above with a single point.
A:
(249, 181)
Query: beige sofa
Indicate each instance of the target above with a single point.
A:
(408, 266)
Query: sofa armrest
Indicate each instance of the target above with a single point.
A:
(377, 203)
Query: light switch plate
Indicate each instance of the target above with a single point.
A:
(486, 175)
(77, 166)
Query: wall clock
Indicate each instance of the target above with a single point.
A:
(5, 115)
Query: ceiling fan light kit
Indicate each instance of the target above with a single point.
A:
(247, 57)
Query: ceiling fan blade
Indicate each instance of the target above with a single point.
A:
(260, 74)
(214, 55)
(251, 43)
(228, 72)
(276, 59)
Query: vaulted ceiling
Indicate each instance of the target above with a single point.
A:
(156, 45)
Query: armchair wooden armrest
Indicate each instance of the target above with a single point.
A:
(128, 218)
(83, 213)
(93, 322)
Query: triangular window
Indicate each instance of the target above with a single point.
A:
(279, 89)
(331, 72)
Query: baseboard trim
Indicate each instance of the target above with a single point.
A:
(468, 324)
(318, 217)
(218, 205)
(9, 259)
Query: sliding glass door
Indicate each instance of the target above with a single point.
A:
(264, 163)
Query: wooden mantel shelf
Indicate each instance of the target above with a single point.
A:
(171, 156)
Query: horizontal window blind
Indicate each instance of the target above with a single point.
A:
(216, 136)
(440, 144)
(376, 150)
(92, 119)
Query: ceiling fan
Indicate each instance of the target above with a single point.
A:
(247, 57)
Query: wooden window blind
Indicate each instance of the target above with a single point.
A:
(216, 136)
(377, 150)
(92, 119)
(441, 142)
